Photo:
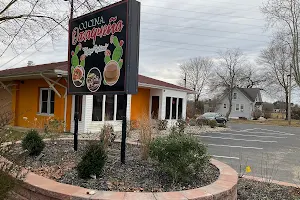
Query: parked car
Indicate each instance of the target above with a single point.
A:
(214, 116)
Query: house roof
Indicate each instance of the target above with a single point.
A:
(250, 93)
(63, 66)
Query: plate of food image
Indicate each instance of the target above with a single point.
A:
(111, 73)
(78, 76)
(93, 79)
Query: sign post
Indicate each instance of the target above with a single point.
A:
(104, 53)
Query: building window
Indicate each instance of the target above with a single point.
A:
(120, 107)
(242, 107)
(168, 107)
(113, 107)
(47, 99)
(225, 106)
(237, 107)
(174, 108)
(234, 95)
(109, 107)
(97, 108)
(180, 108)
(78, 106)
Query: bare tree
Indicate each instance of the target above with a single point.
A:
(285, 15)
(228, 74)
(23, 22)
(196, 72)
(253, 76)
(276, 59)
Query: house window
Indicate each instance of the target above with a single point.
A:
(97, 108)
(109, 107)
(234, 95)
(78, 106)
(242, 107)
(180, 108)
(174, 108)
(47, 99)
(112, 105)
(225, 106)
(237, 107)
(168, 107)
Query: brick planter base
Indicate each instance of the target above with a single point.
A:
(36, 187)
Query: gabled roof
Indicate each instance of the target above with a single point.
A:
(250, 93)
(63, 66)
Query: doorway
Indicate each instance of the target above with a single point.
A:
(155, 107)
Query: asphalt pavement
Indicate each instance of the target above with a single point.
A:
(272, 152)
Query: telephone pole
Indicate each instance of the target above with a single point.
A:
(290, 96)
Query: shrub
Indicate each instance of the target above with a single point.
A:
(213, 123)
(256, 114)
(107, 135)
(193, 122)
(7, 183)
(267, 115)
(295, 114)
(92, 161)
(202, 122)
(181, 125)
(33, 142)
(181, 156)
(162, 125)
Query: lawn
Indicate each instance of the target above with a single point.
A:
(274, 122)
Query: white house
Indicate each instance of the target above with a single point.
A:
(244, 102)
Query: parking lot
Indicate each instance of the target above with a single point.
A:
(271, 152)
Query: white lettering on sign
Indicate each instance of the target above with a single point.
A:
(96, 48)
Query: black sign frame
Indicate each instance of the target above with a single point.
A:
(127, 78)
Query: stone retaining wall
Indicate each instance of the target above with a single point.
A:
(36, 187)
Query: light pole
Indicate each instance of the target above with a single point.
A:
(290, 96)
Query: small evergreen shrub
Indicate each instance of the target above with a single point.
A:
(213, 123)
(33, 142)
(92, 161)
(162, 125)
(180, 155)
(202, 122)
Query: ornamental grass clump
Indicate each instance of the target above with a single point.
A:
(181, 156)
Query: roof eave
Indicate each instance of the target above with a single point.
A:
(55, 72)
(163, 87)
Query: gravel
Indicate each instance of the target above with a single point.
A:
(254, 190)
(59, 161)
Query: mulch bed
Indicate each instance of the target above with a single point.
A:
(255, 190)
(59, 163)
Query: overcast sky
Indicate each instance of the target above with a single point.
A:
(173, 31)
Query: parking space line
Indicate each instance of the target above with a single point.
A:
(223, 138)
(274, 131)
(228, 157)
(267, 133)
(242, 147)
(259, 136)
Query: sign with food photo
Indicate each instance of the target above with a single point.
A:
(103, 50)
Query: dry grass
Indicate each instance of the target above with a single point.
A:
(145, 135)
(273, 122)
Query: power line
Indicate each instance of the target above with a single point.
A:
(195, 27)
(203, 20)
(59, 23)
(18, 30)
(205, 35)
(207, 13)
